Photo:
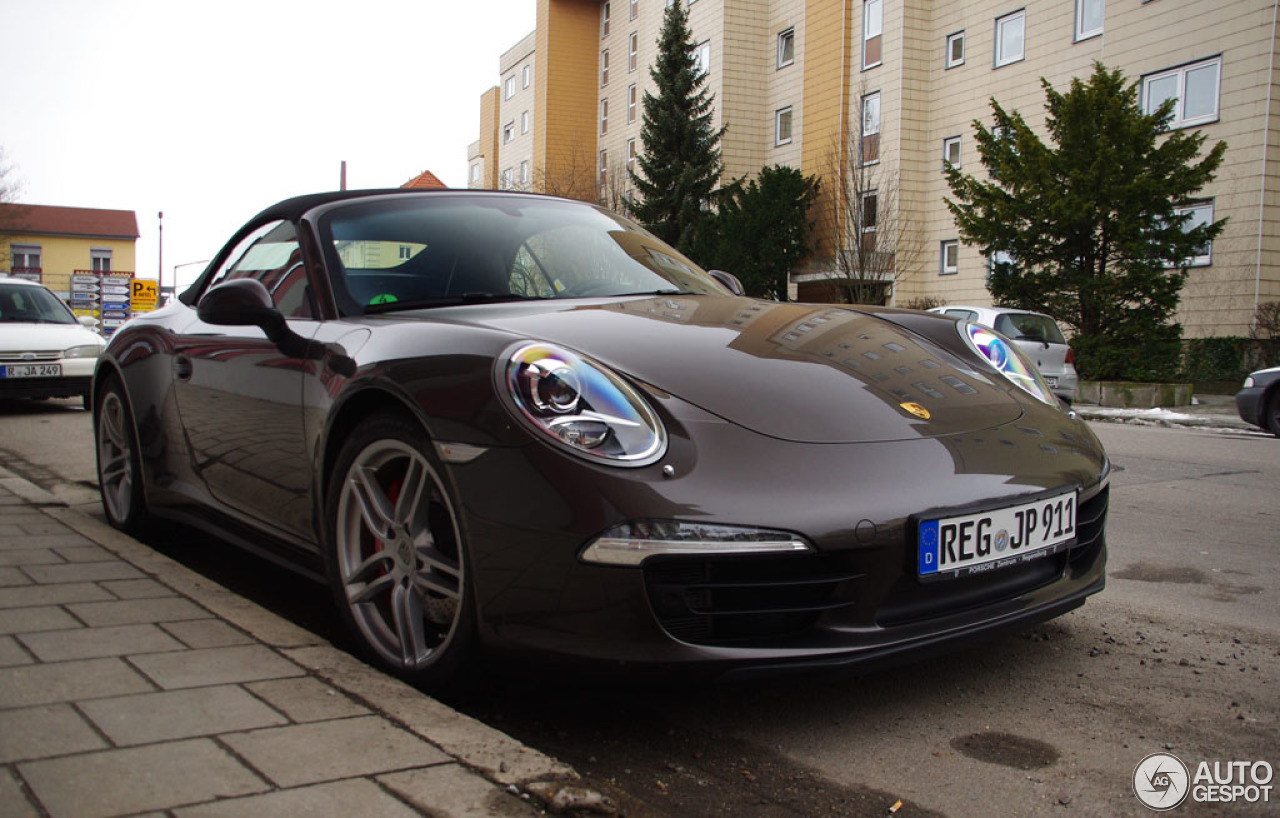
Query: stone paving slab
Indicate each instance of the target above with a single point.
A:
(130, 686)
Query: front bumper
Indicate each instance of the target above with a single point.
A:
(856, 598)
(1249, 405)
(61, 387)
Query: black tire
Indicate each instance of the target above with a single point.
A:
(1271, 413)
(119, 461)
(395, 553)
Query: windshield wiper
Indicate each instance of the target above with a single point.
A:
(445, 301)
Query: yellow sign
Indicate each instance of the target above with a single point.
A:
(144, 292)
(915, 409)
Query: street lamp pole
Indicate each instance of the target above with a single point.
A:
(160, 260)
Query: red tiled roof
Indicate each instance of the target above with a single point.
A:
(425, 179)
(69, 221)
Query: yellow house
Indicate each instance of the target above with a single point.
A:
(49, 244)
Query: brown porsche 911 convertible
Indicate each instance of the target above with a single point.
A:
(507, 422)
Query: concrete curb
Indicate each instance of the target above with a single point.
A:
(517, 776)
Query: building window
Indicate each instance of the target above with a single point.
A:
(604, 20)
(631, 102)
(100, 260)
(998, 260)
(782, 126)
(631, 156)
(1193, 87)
(633, 52)
(951, 152)
(604, 68)
(510, 88)
(524, 122)
(1089, 17)
(869, 147)
(1011, 32)
(604, 116)
(955, 49)
(508, 132)
(526, 76)
(786, 47)
(604, 170)
(635, 8)
(702, 58)
(869, 216)
(24, 257)
(475, 172)
(872, 32)
(524, 172)
(506, 179)
(1201, 213)
(949, 257)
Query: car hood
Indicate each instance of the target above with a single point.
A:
(22, 337)
(806, 373)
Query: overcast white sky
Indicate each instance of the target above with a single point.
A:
(212, 111)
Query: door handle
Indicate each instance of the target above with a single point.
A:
(182, 368)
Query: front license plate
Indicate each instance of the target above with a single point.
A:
(990, 540)
(32, 371)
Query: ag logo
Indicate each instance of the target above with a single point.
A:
(1161, 781)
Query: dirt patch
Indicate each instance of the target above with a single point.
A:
(1006, 749)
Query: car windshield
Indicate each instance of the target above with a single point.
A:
(32, 305)
(406, 253)
(1029, 326)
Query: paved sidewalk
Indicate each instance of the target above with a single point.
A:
(129, 684)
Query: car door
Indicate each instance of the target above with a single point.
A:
(239, 396)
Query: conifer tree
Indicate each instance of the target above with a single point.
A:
(679, 166)
(1087, 229)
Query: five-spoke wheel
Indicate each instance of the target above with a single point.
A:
(119, 469)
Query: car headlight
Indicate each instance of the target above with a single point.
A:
(631, 543)
(1011, 361)
(1248, 382)
(582, 405)
(86, 351)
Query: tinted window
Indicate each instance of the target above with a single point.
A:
(967, 315)
(1025, 325)
(271, 255)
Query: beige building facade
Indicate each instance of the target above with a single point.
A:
(904, 80)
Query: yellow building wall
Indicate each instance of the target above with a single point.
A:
(60, 256)
(568, 84)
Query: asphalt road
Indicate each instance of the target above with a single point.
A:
(1180, 653)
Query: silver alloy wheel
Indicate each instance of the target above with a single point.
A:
(398, 559)
(115, 458)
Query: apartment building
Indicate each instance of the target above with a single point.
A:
(794, 80)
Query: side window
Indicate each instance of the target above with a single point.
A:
(271, 255)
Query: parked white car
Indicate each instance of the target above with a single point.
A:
(1036, 334)
(45, 350)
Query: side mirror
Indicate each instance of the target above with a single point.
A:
(88, 322)
(729, 281)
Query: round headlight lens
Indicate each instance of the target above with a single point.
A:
(582, 405)
(1012, 362)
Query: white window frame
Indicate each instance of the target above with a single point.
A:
(27, 251)
(100, 259)
(475, 172)
(508, 132)
(604, 170)
(506, 179)
(1082, 6)
(524, 122)
(702, 58)
(871, 124)
(1205, 258)
(604, 20)
(865, 229)
(633, 52)
(783, 115)
(950, 142)
(1020, 17)
(526, 76)
(997, 257)
(1180, 74)
(604, 117)
(951, 61)
(509, 87)
(952, 247)
(635, 9)
(631, 155)
(604, 67)
(872, 27)
(786, 42)
(633, 95)
(524, 172)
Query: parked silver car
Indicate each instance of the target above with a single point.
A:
(1037, 334)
